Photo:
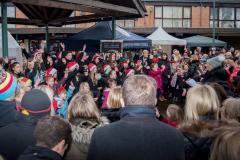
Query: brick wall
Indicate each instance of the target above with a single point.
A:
(19, 14)
(147, 21)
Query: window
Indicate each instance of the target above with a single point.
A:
(126, 23)
(11, 13)
(225, 17)
(238, 17)
(158, 12)
(170, 16)
(120, 23)
(129, 23)
(226, 13)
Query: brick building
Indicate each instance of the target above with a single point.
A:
(181, 18)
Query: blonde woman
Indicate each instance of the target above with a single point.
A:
(201, 108)
(231, 109)
(202, 103)
(85, 88)
(84, 117)
(114, 104)
(227, 146)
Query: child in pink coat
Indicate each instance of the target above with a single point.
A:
(156, 73)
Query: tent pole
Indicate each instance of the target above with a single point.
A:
(16, 37)
(113, 28)
(47, 38)
(214, 26)
(4, 29)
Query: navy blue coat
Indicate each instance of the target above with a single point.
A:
(137, 136)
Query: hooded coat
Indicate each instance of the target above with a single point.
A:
(82, 130)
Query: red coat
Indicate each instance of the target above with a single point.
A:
(171, 123)
(157, 75)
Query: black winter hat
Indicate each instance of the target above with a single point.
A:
(36, 101)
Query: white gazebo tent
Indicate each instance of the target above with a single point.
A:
(14, 50)
(165, 40)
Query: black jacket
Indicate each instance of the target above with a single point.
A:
(15, 138)
(112, 114)
(137, 136)
(6, 112)
(39, 153)
(197, 148)
(16, 131)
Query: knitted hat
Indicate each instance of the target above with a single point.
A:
(129, 71)
(50, 72)
(217, 61)
(106, 68)
(8, 85)
(72, 66)
(24, 82)
(36, 102)
(61, 89)
(91, 66)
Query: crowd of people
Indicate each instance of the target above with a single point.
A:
(74, 105)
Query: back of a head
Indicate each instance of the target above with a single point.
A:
(139, 90)
(36, 103)
(51, 130)
(227, 146)
(202, 100)
(221, 92)
(83, 106)
(115, 98)
(175, 113)
(231, 109)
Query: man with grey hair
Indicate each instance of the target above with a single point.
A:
(138, 135)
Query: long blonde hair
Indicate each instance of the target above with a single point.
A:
(83, 106)
(201, 100)
(115, 98)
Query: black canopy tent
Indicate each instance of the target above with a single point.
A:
(103, 31)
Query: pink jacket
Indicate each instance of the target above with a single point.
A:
(105, 95)
(157, 75)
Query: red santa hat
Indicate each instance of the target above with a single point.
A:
(72, 66)
(129, 71)
(61, 89)
(106, 67)
(96, 56)
(91, 66)
(50, 72)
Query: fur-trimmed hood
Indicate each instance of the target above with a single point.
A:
(82, 129)
(202, 129)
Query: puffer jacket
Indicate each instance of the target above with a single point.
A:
(82, 130)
